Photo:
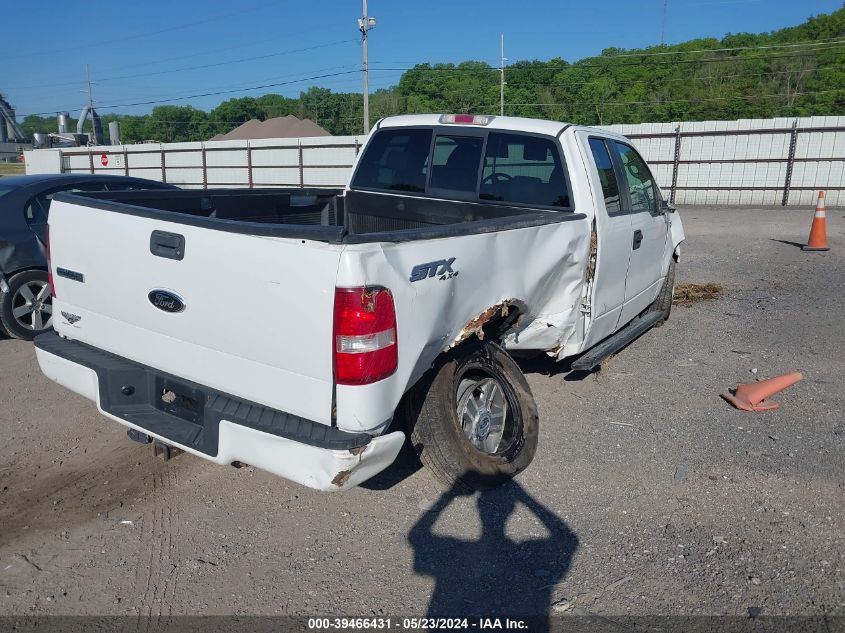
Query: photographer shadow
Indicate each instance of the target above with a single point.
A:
(494, 576)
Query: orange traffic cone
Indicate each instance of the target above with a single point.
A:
(818, 231)
(752, 396)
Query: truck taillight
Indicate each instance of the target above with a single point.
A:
(49, 266)
(364, 345)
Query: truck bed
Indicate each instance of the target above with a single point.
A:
(325, 215)
(186, 282)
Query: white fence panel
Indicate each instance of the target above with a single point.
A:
(743, 162)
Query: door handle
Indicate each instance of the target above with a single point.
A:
(168, 245)
(638, 239)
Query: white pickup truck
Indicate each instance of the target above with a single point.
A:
(305, 332)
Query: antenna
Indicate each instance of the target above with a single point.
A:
(90, 95)
(663, 28)
(96, 128)
(502, 82)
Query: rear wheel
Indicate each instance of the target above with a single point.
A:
(26, 310)
(475, 423)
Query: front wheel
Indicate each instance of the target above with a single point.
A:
(26, 310)
(663, 303)
(475, 423)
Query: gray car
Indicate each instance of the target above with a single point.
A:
(25, 293)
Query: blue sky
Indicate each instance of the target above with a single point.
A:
(152, 50)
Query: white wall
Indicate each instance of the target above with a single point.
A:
(326, 161)
(764, 157)
(706, 173)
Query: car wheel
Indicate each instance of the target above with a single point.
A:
(663, 303)
(26, 310)
(474, 421)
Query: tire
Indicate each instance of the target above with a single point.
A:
(475, 373)
(663, 303)
(26, 310)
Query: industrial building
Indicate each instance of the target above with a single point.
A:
(12, 138)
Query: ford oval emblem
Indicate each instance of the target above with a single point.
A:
(166, 300)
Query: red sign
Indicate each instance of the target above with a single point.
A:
(104, 160)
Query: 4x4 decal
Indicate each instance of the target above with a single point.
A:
(441, 268)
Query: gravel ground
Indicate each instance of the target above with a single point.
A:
(648, 495)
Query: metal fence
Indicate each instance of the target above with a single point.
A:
(305, 162)
(745, 162)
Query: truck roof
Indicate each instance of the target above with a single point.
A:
(520, 124)
(509, 123)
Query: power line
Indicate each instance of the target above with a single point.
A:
(657, 102)
(569, 84)
(608, 63)
(807, 43)
(477, 69)
(245, 84)
(170, 29)
(249, 44)
(207, 94)
(211, 65)
(349, 72)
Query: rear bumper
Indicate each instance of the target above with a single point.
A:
(213, 425)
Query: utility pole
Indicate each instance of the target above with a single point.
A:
(366, 23)
(94, 140)
(502, 59)
(663, 28)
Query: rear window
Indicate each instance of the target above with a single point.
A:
(510, 168)
(523, 170)
(455, 163)
(395, 160)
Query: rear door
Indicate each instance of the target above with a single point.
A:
(613, 232)
(252, 314)
(649, 229)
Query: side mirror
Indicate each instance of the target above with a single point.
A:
(667, 207)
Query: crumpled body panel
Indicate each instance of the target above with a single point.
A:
(19, 248)
(539, 270)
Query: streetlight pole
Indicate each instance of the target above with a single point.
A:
(365, 24)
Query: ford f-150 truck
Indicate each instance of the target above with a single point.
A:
(305, 332)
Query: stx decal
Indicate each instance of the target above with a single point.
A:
(441, 268)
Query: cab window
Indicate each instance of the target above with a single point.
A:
(607, 175)
(396, 160)
(523, 169)
(454, 164)
(642, 189)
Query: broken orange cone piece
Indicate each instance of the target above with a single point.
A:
(818, 230)
(752, 396)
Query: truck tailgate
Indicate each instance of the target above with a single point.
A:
(257, 316)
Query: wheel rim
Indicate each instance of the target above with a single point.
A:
(483, 412)
(32, 306)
